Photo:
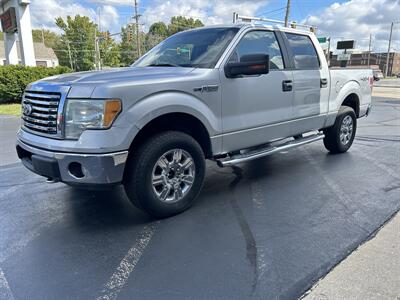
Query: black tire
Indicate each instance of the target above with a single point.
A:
(332, 140)
(141, 165)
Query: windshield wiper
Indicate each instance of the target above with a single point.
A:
(162, 65)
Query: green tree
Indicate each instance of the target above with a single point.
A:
(109, 50)
(180, 23)
(128, 45)
(1, 36)
(157, 33)
(78, 40)
(51, 39)
(159, 28)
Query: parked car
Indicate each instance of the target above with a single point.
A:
(235, 93)
(378, 75)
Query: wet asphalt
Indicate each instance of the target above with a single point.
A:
(267, 229)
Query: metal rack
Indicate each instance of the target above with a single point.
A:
(248, 19)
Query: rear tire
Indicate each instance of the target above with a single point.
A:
(340, 136)
(165, 174)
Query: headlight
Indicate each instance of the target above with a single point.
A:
(89, 114)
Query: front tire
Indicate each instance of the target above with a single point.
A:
(340, 136)
(165, 174)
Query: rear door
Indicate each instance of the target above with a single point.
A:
(252, 106)
(310, 77)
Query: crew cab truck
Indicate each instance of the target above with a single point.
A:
(225, 93)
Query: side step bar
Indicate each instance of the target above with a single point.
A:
(253, 154)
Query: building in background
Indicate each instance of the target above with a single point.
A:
(44, 56)
(360, 58)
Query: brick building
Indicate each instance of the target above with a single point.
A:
(379, 59)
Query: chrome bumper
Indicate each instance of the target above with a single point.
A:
(74, 168)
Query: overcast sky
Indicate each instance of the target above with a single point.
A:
(354, 19)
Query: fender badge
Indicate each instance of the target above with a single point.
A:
(206, 88)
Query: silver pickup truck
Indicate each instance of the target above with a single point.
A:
(225, 93)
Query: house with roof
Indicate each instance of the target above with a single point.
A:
(44, 56)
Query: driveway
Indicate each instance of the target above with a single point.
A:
(266, 229)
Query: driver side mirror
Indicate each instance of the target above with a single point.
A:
(251, 64)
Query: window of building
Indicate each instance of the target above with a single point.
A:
(303, 50)
(41, 63)
(260, 42)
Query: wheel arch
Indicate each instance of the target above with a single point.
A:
(178, 121)
(352, 100)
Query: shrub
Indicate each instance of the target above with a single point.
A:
(14, 79)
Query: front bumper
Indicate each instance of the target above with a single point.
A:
(74, 168)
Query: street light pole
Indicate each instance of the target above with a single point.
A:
(388, 52)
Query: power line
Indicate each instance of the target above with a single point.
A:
(271, 11)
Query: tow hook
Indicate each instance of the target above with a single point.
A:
(51, 180)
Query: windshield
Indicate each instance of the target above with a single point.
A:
(196, 48)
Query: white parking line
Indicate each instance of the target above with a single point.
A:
(127, 264)
(5, 292)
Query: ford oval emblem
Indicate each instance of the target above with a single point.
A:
(27, 109)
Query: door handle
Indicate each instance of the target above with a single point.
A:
(287, 85)
(323, 82)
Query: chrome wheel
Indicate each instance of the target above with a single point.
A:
(346, 130)
(173, 175)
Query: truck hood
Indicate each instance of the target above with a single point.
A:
(119, 74)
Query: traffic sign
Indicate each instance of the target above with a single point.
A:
(322, 40)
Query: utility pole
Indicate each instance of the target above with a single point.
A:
(287, 13)
(328, 56)
(136, 17)
(388, 52)
(42, 35)
(369, 48)
(97, 42)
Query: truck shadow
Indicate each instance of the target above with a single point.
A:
(105, 208)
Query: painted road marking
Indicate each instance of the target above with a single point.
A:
(127, 264)
(5, 291)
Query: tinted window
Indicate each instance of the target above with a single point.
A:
(259, 42)
(305, 56)
(195, 48)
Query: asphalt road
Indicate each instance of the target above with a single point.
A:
(267, 229)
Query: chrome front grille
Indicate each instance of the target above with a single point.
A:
(39, 111)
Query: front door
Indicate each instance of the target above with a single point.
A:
(255, 108)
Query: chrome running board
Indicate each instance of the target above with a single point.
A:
(261, 152)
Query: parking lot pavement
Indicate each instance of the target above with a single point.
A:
(266, 229)
(8, 130)
(392, 82)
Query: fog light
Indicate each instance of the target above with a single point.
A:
(75, 169)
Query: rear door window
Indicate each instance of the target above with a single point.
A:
(304, 54)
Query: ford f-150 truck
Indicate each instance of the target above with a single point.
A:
(225, 93)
